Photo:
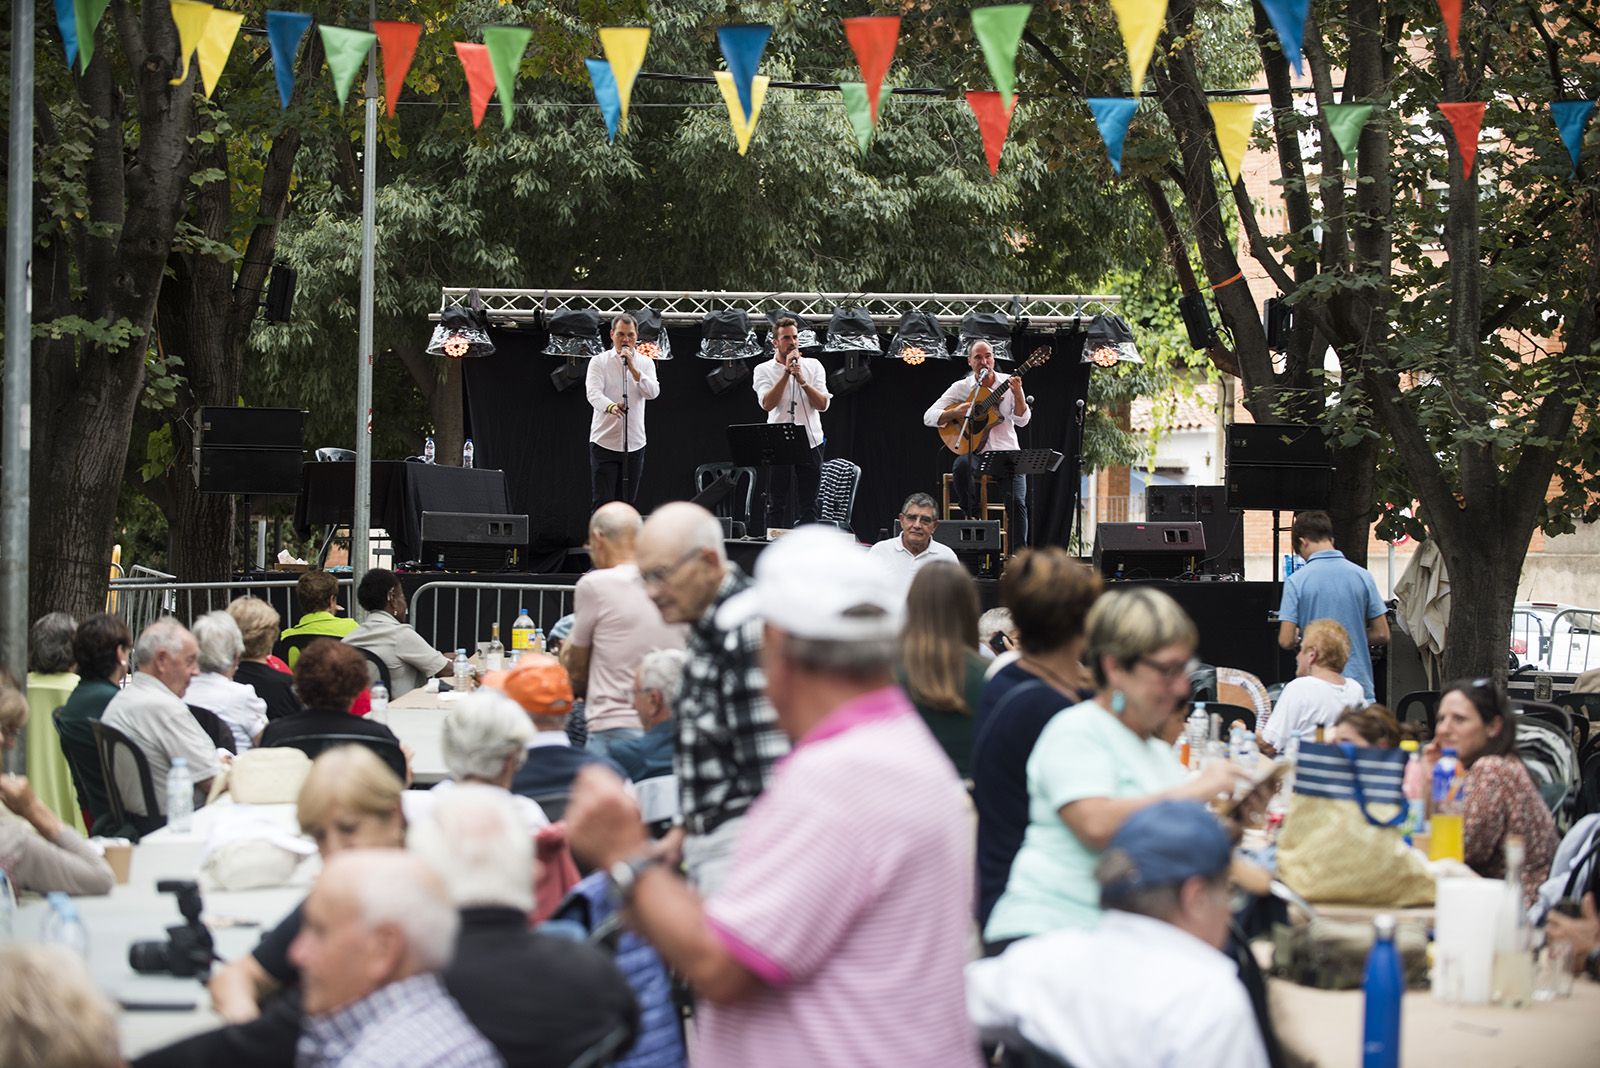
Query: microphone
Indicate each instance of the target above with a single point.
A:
(1080, 411)
(1030, 398)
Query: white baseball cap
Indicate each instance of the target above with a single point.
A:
(811, 584)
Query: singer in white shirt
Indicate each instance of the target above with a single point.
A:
(619, 383)
(952, 407)
(793, 389)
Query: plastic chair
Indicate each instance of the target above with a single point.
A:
(289, 649)
(836, 494)
(1425, 703)
(378, 671)
(1232, 714)
(314, 745)
(83, 762)
(106, 742)
(216, 728)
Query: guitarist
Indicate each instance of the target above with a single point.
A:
(952, 407)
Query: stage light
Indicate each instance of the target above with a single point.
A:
(461, 333)
(728, 375)
(569, 374)
(805, 334)
(1110, 342)
(653, 339)
(992, 327)
(851, 330)
(574, 334)
(726, 335)
(918, 339)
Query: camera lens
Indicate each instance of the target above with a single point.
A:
(149, 958)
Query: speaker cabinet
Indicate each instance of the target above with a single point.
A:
(250, 451)
(1149, 550)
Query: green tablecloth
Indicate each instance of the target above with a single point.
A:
(47, 765)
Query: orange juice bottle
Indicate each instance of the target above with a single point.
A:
(1447, 840)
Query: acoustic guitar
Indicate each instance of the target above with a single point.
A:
(968, 435)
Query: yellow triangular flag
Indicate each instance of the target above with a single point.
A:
(222, 29)
(742, 130)
(1140, 22)
(1233, 120)
(190, 17)
(624, 49)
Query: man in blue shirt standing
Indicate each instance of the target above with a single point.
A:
(1327, 586)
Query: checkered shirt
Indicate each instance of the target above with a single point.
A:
(728, 736)
(413, 1023)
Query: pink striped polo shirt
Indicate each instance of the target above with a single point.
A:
(851, 898)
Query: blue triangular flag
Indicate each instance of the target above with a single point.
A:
(741, 48)
(1571, 117)
(605, 94)
(1112, 115)
(67, 19)
(284, 30)
(1288, 17)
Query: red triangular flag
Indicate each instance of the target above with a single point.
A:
(994, 121)
(1450, 11)
(1465, 119)
(398, 43)
(873, 38)
(480, 77)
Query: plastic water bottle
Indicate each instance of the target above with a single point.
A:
(1411, 786)
(1195, 732)
(538, 639)
(522, 631)
(64, 927)
(428, 449)
(379, 695)
(180, 797)
(466, 454)
(8, 909)
(461, 673)
(1383, 987)
(1241, 747)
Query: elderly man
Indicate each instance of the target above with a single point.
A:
(904, 556)
(839, 935)
(792, 388)
(542, 1001)
(1150, 984)
(655, 691)
(539, 686)
(614, 625)
(953, 406)
(410, 659)
(619, 382)
(317, 593)
(378, 928)
(728, 736)
(151, 712)
(220, 645)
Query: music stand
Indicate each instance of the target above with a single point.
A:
(766, 445)
(1007, 464)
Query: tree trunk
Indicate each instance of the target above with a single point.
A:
(1350, 505)
(440, 382)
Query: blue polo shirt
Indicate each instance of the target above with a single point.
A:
(1327, 586)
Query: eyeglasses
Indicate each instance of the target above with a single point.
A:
(924, 520)
(1170, 672)
(659, 575)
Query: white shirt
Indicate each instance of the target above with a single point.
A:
(418, 805)
(1133, 991)
(1004, 434)
(604, 385)
(160, 724)
(1306, 704)
(815, 376)
(235, 703)
(897, 560)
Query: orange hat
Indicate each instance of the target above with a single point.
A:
(538, 683)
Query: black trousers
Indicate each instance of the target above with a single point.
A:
(804, 479)
(606, 469)
(1013, 493)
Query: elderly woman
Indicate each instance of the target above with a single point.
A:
(485, 738)
(329, 675)
(1100, 761)
(57, 857)
(215, 688)
(52, 1013)
(1318, 693)
(258, 628)
(100, 648)
(50, 683)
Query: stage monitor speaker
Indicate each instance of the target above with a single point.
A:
(473, 541)
(966, 537)
(1149, 550)
(250, 451)
(1208, 506)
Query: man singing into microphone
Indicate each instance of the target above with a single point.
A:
(619, 382)
(952, 407)
(793, 389)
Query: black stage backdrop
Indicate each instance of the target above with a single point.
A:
(539, 437)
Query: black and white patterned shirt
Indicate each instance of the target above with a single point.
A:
(413, 1023)
(728, 735)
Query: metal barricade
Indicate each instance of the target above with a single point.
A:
(1573, 644)
(141, 601)
(1530, 640)
(457, 615)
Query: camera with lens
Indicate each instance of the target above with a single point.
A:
(187, 950)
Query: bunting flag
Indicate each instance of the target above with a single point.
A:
(67, 23)
(190, 17)
(346, 50)
(741, 50)
(1345, 122)
(506, 45)
(1288, 18)
(999, 32)
(1112, 115)
(1466, 118)
(284, 31)
(742, 130)
(859, 110)
(873, 39)
(1233, 120)
(1140, 22)
(1571, 117)
(87, 14)
(994, 122)
(480, 77)
(605, 94)
(222, 30)
(624, 48)
(397, 44)
(1450, 11)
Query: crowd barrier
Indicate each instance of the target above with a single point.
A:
(458, 615)
(146, 596)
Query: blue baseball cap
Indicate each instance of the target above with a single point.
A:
(1168, 842)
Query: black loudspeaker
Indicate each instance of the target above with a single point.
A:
(1208, 506)
(1149, 550)
(1278, 467)
(1197, 320)
(967, 537)
(250, 451)
(473, 541)
(1277, 444)
(1277, 318)
(280, 293)
(1170, 504)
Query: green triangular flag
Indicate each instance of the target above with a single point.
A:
(89, 13)
(858, 109)
(999, 31)
(506, 45)
(347, 50)
(1345, 122)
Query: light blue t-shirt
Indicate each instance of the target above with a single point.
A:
(1327, 586)
(1083, 752)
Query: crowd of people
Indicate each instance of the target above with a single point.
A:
(901, 830)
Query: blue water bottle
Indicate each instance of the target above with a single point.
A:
(1383, 987)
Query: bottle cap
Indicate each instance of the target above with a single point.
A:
(1383, 924)
(1449, 751)
(180, 762)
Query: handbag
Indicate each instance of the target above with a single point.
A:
(1340, 842)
